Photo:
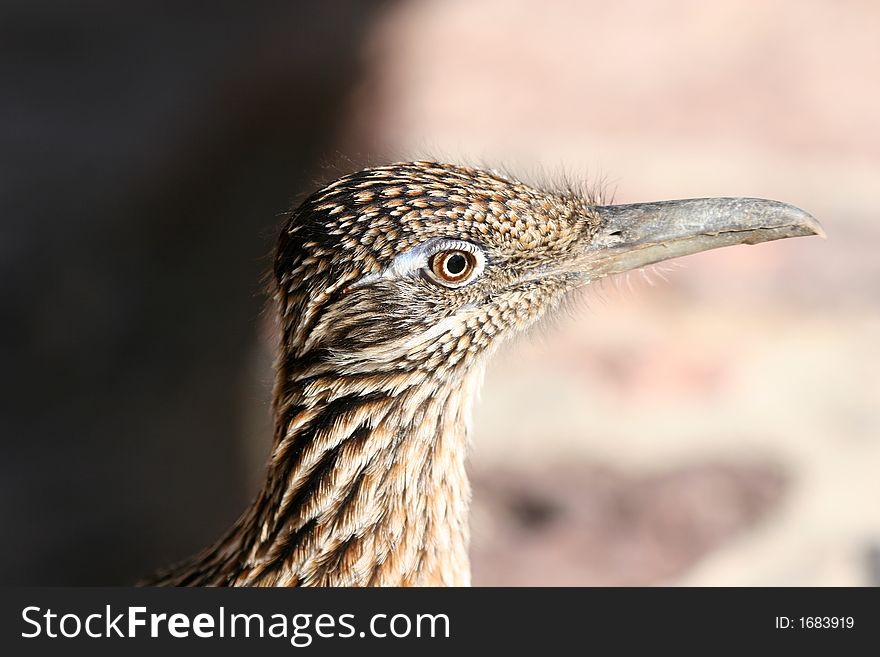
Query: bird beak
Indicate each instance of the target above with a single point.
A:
(632, 236)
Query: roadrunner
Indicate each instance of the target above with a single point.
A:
(394, 285)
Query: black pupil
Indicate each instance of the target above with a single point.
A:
(456, 264)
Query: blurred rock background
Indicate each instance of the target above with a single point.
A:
(721, 426)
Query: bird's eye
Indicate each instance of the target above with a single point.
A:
(453, 267)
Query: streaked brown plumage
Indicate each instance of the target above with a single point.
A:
(393, 286)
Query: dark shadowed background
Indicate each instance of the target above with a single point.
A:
(718, 427)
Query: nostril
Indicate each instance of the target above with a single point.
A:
(615, 233)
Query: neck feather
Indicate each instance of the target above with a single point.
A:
(364, 488)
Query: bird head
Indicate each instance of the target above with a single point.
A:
(425, 267)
